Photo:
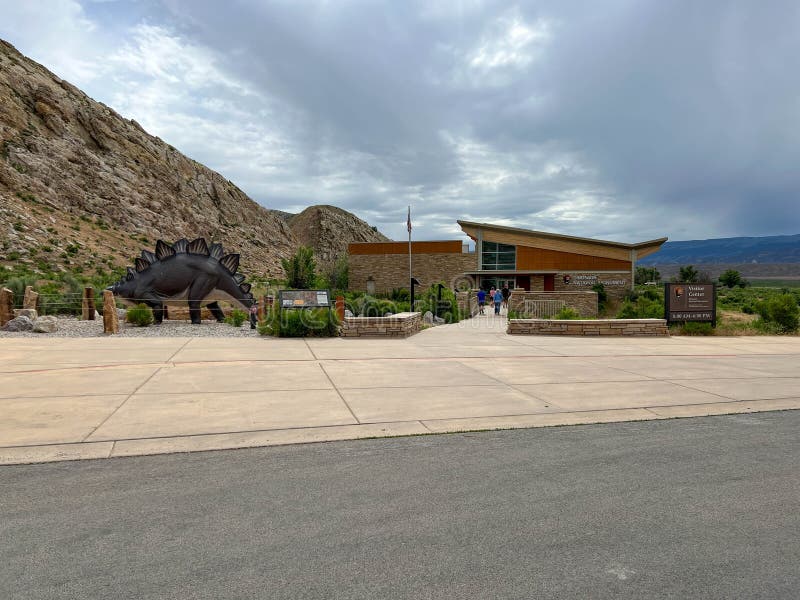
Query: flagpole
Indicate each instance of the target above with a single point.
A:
(410, 272)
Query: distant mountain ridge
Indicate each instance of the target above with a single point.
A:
(756, 250)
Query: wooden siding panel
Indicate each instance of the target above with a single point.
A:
(539, 259)
(439, 247)
(557, 245)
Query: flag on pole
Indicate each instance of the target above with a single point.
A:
(409, 220)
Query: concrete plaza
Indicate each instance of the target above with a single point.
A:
(73, 398)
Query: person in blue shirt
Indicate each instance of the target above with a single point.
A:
(498, 300)
(481, 301)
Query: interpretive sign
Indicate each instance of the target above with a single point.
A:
(305, 299)
(690, 302)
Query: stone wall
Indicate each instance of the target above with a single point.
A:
(400, 325)
(389, 271)
(594, 327)
(584, 302)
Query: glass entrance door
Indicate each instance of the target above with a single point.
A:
(498, 282)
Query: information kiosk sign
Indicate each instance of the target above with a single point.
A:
(690, 302)
(305, 298)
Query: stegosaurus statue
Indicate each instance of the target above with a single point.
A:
(188, 271)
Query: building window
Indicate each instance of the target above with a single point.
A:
(498, 257)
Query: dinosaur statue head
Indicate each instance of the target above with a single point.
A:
(123, 290)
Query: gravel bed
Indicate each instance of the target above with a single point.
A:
(73, 327)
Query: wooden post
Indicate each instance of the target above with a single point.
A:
(87, 306)
(110, 318)
(31, 298)
(262, 308)
(340, 308)
(6, 306)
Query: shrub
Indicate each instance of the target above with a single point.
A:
(566, 313)
(782, 311)
(428, 299)
(653, 295)
(300, 323)
(641, 308)
(140, 315)
(602, 296)
(400, 295)
(17, 285)
(695, 328)
(236, 318)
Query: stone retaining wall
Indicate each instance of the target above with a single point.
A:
(584, 302)
(400, 325)
(593, 327)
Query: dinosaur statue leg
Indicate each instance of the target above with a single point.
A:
(216, 311)
(194, 311)
(197, 292)
(155, 303)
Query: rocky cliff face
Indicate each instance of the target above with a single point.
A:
(80, 186)
(328, 230)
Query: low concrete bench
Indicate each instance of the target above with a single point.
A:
(588, 327)
(400, 325)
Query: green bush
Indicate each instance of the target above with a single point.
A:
(236, 318)
(602, 296)
(696, 328)
(651, 294)
(641, 308)
(300, 323)
(17, 285)
(140, 315)
(369, 306)
(400, 295)
(427, 301)
(782, 311)
(566, 314)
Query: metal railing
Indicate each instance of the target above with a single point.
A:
(543, 309)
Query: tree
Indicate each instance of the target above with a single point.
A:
(730, 278)
(300, 269)
(645, 274)
(688, 274)
(338, 273)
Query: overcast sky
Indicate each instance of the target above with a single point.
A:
(624, 120)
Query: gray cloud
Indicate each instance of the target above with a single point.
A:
(620, 119)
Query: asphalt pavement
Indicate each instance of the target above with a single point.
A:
(689, 508)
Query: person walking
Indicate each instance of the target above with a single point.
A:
(498, 300)
(481, 301)
(506, 294)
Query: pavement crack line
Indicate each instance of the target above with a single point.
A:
(321, 366)
(310, 349)
(131, 395)
(170, 359)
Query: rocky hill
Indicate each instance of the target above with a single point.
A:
(82, 188)
(328, 230)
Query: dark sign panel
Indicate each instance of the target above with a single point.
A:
(305, 299)
(690, 302)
